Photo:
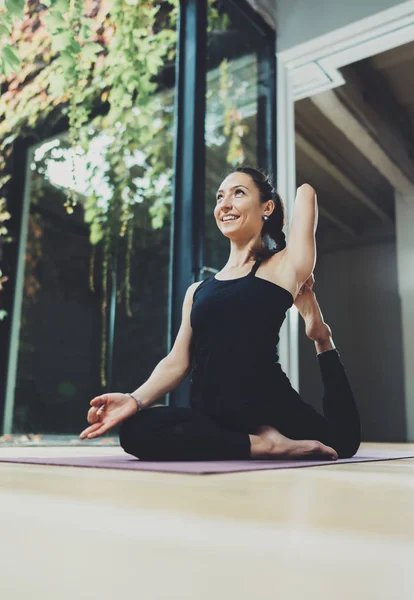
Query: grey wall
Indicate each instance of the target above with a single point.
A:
(357, 290)
(302, 20)
(405, 253)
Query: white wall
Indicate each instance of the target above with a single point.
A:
(357, 290)
(301, 20)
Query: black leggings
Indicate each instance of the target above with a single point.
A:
(167, 433)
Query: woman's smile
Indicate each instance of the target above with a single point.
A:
(228, 219)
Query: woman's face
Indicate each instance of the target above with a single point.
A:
(238, 196)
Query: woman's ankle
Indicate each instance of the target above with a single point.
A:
(259, 447)
(324, 345)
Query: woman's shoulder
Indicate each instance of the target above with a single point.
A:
(194, 287)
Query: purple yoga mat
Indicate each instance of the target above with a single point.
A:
(206, 467)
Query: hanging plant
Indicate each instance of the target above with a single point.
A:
(75, 55)
(233, 128)
(67, 57)
(218, 20)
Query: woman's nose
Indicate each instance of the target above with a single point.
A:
(227, 200)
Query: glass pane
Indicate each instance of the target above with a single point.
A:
(65, 352)
(232, 104)
(141, 338)
(58, 360)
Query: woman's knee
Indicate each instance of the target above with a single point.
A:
(156, 434)
(135, 434)
(127, 435)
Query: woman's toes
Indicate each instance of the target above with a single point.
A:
(314, 448)
(326, 450)
(281, 446)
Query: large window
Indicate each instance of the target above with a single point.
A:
(86, 320)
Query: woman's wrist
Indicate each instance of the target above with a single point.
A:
(138, 401)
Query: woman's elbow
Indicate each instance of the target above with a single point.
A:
(306, 187)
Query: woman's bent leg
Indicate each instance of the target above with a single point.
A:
(339, 405)
(169, 433)
(340, 425)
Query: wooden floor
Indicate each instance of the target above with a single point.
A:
(340, 532)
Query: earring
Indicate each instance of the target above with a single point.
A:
(265, 217)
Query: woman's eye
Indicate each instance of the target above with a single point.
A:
(220, 195)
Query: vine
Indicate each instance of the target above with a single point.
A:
(110, 52)
(233, 128)
(68, 57)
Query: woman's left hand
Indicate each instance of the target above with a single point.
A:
(108, 410)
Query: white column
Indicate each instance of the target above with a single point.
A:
(404, 209)
(286, 184)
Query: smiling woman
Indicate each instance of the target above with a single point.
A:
(252, 183)
(242, 403)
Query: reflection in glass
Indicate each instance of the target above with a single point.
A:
(62, 334)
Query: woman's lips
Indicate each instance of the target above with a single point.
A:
(230, 220)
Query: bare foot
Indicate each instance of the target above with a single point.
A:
(283, 447)
(308, 307)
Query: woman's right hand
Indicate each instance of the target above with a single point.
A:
(108, 411)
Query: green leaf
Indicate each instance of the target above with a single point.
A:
(10, 56)
(61, 40)
(4, 30)
(153, 63)
(16, 7)
(54, 20)
(66, 60)
(61, 5)
(74, 47)
(96, 234)
(57, 85)
(7, 18)
(90, 50)
(85, 32)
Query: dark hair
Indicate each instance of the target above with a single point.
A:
(272, 230)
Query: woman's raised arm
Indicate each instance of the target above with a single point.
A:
(301, 245)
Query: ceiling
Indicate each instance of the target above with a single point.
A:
(397, 68)
(355, 187)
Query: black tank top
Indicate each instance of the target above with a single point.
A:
(235, 331)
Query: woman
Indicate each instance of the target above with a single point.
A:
(242, 403)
